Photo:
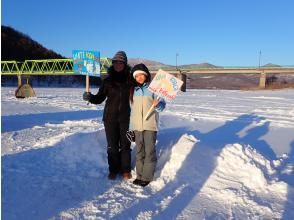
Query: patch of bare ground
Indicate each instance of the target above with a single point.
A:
(238, 81)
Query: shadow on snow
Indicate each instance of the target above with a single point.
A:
(19, 122)
(289, 178)
(39, 184)
(203, 155)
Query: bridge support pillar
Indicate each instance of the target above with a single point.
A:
(262, 80)
(182, 77)
(19, 82)
(24, 90)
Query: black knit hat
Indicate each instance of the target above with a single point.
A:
(141, 68)
(120, 56)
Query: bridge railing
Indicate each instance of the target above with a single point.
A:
(45, 67)
(256, 67)
(233, 68)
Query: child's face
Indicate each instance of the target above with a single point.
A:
(140, 78)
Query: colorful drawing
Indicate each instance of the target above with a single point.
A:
(165, 85)
(86, 62)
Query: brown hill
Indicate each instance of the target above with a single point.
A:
(198, 66)
(18, 46)
(271, 65)
(152, 65)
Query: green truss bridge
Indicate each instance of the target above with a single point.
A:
(45, 67)
(65, 67)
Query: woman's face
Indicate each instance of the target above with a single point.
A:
(140, 78)
(118, 66)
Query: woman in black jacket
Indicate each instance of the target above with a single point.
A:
(115, 89)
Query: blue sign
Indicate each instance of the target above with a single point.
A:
(86, 62)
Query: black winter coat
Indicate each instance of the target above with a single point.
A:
(116, 88)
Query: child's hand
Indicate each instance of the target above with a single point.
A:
(155, 102)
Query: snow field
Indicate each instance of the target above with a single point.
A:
(221, 155)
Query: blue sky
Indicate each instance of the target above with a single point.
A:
(221, 32)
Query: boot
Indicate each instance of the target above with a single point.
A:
(144, 183)
(112, 176)
(137, 182)
(127, 175)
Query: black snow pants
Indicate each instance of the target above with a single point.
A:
(118, 146)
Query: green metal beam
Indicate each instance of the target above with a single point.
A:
(45, 67)
(65, 67)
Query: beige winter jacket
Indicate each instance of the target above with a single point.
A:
(142, 102)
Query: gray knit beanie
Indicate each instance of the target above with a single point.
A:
(120, 56)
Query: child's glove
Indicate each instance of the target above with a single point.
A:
(160, 106)
(131, 136)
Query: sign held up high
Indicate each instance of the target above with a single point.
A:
(86, 62)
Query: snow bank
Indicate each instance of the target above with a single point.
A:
(243, 185)
(173, 160)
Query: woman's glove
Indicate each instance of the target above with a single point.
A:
(87, 96)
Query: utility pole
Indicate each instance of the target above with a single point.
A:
(259, 59)
(177, 60)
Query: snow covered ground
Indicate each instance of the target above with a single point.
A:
(221, 155)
